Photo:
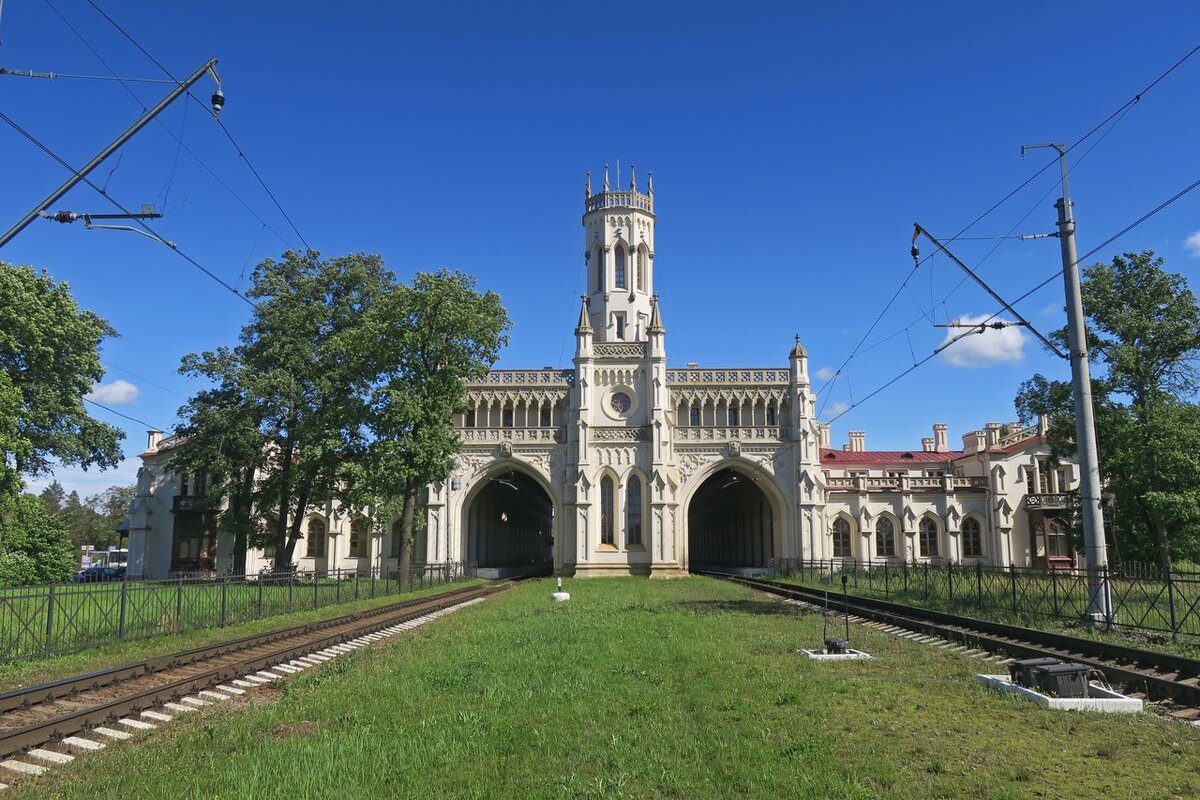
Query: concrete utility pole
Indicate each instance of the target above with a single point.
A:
(218, 100)
(1095, 549)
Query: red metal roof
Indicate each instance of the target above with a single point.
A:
(831, 456)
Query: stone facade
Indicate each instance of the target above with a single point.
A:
(625, 465)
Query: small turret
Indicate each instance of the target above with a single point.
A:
(799, 363)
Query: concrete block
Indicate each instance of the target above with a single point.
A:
(136, 724)
(210, 695)
(179, 707)
(20, 766)
(821, 655)
(224, 687)
(112, 733)
(195, 701)
(1102, 699)
(50, 756)
(79, 743)
(241, 684)
(157, 716)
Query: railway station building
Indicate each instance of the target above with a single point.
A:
(622, 464)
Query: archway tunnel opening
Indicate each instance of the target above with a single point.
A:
(510, 527)
(730, 524)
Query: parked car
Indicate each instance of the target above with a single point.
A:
(94, 574)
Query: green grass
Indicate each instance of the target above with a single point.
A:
(40, 621)
(18, 674)
(634, 688)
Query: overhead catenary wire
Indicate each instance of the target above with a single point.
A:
(154, 234)
(1118, 114)
(241, 153)
(1056, 275)
(142, 378)
(166, 128)
(119, 414)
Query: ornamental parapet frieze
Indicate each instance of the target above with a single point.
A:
(1050, 501)
(476, 435)
(620, 434)
(527, 377)
(523, 394)
(620, 349)
(725, 434)
(867, 483)
(753, 375)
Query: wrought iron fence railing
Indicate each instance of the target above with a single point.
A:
(1139, 599)
(42, 621)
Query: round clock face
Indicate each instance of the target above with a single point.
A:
(620, 402)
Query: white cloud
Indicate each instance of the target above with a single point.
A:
(825, 373)
(1052, 309)
(833, 409)
(1192, 243)
(984, 349)
(113, 394)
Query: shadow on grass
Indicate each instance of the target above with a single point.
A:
(734, 607)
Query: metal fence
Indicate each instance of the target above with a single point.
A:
(1140, 599)
(42, 621)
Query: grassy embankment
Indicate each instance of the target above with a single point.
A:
(14, 675)
(634, 688)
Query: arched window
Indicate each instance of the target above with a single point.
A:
(359, 539)
(633, 510)
(606, 510)
(885, 538)
(641, 269)
(841, 538)
(598, 257)
(972, 538)
(619, 270)
(314, 535)
(928, 535)
(397, 532)
(771, 415)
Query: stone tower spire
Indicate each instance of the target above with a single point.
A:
(619, 250)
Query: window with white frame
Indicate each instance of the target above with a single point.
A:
(972, 538)
(633, 510)
(841, 538)
(927, 534)
(314, 537)
(885, 538)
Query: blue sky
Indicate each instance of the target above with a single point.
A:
(792, 146)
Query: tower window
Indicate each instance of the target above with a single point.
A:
(770, 415)
(619, 272)
(606, 510)
(544, 417)
(641, 269)
(620, 322)
(506, 419)
(633, 511)
(469, 422)
(694, 416)
(732, 416)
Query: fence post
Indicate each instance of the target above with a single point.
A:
(1012, 583)
(179, 604)
(926, 571)
(1171, 603)
(337, 591)
(224, 598)
(979, 583)
(124, 604)
(906, 576)
(260, 596)
(314, 590)
(1108, 610)
(291, 583)
(1054, 587)
(950, 581)
(886, 586)
(372, 595)
(355, 584)
(50, 620)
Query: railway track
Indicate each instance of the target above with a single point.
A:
(1159, 677)
(47, 724)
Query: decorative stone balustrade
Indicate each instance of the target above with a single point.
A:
(478, 435)
(1016, 437)
(618, 199)
(765, 375)
(922, 483)
(527, 377)
(723, 434)
(620, 349)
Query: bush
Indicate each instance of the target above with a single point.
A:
(34, 546)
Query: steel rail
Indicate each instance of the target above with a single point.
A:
(66, 687)
(57, 727)
(1157, 675)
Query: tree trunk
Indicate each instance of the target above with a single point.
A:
(294, 528)
(285, 500)
(406, 526)
(242, 519)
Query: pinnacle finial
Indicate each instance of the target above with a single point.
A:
(587, 186)
(632, 177)
(650, 183)
(584, 323)
(655, 325)
(606, 177)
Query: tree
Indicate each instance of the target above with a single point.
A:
(287, 408)
(49, 359)
(1144, 335)
(34, 546)
(428, 338)
(54, 497)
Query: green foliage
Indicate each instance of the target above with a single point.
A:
(34, 545)
(1144, 336)
(94, 520)
(49, 359)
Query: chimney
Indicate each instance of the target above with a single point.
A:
(692, 365)
(858, 441)
(846, 448)
(823, 433)
(153, 437)
(992, 429)
(927, 445)
(941, 438)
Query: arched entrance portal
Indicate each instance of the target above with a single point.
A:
(730, 524)
(509, 527)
